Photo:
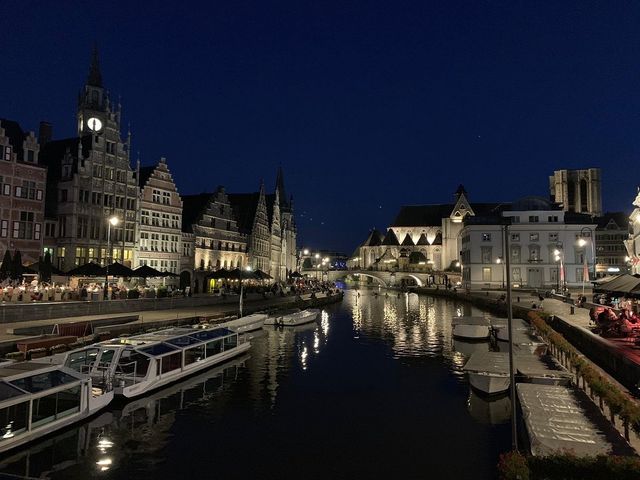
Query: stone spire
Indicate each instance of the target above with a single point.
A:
(280, 188)
(95, 77)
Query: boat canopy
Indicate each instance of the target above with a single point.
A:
(470, 321)
(488, 362)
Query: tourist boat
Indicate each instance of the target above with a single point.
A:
(500, 330)
(138, 364)
(471, 327)
(488, 372)
(246, 324)
(293, 319)
(37, 399)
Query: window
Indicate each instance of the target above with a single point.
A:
(534, 219)
(111, 147)
(7, 153)
(31, 158)
(534, 237)
(144, 218)
(81, 227)
(27, 190)
(4, 228)
(534, 253)
(553, 237)
(156, 196)
(6, 189)
(486, 254)
(553, 219)
(166, 198)
(486, 237)
(515, 237)
(24, 228)
(14, 419)
(486, 274)
(515, 275)
(580, 275)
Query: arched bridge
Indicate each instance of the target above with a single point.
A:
(392, 279)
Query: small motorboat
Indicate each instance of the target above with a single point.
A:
(488, 372)
(471, 327)
(246, 324)
(293, 319)
(499, 327)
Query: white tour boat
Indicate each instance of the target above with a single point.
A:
(246, 324)
(141, 363)
(37, 399)
(471, 327)
(293, 319)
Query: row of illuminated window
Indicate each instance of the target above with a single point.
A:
(225, 246)
(159, 242)
(534, 219)
(100, 255)
(226, 264)
(27, 190)
(488, 256)
(162, 265)
(6, 150)
(97, 229)
(220, 223)
(24, 229)
(516, 274)
(109, 173)
(161, 196)
(158, 219)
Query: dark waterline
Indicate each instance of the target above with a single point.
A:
(373, 389)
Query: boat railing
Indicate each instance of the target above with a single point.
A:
(127, 373)
(100, 375)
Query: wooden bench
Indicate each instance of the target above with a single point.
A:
(44, 342)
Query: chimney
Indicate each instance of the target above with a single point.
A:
(45, 133)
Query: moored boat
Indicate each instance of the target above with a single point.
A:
(293, 319)
(141, 363)
(499, 327)
(248, 323)
(37, 399)
(470, 327)
(488, 372)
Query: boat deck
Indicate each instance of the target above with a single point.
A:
(479, 321)
(559, 418)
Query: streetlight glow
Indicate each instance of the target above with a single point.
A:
(582, 242)
(114, 221)
(305, 251)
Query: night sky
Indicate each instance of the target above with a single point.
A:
(366, 105)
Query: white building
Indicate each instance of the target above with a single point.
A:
(545, 245)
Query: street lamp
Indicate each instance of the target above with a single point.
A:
(582, 242)
(499, 262)
(558, 255)
(113, 221)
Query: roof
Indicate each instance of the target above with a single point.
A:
(407, 242)
(374, 239)
(284, 204)
(16, 136)
(423, 240)
(244, 208)
(95, 77)
(390, 239)
(438, 239)
(193, 206)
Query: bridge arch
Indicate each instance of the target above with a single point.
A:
(404, 275)
(384, 284)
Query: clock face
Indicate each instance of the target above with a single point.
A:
(94, 124)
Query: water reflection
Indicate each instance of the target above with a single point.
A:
(300, 382)
(493, 411)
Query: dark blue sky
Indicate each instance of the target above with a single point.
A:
(366, 105)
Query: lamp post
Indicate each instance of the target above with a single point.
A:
(499, 262)
(582, 242)
(113, 221)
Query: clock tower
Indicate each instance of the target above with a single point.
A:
(95, 113)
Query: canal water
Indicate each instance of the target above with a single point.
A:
(373, 389)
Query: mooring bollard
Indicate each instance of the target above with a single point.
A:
(571, 309)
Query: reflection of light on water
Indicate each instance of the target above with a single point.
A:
(324, 322)
(104, 464)
(303, 357)
(458, 360)
(316, 342)
(390, 312)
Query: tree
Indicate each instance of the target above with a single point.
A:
(16, 266)
(5, 268)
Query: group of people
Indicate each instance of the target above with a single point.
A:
(609, 323)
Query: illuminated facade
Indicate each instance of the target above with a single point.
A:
(578, 191)
(22, 192)
(159, 235)
(633, 242)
